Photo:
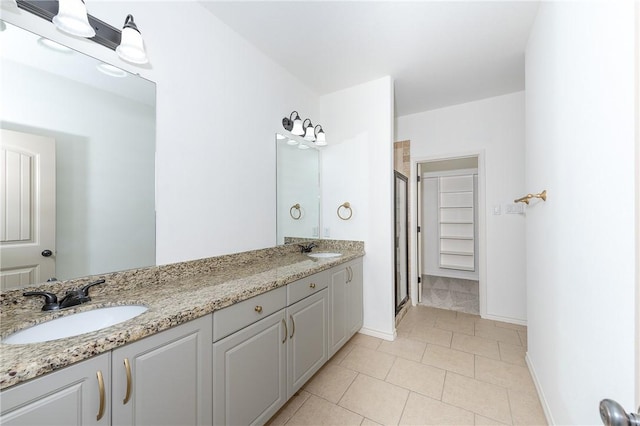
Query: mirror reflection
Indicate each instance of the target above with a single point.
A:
(298, 189)
(78, 164)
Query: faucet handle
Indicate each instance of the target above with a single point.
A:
(50, 299)
(85, 289)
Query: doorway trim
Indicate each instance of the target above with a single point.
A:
(482, 222)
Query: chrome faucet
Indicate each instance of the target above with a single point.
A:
(71, 297)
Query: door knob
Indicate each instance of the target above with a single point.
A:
(46, 253)
(612, 414)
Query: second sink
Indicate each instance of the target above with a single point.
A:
(75, 324)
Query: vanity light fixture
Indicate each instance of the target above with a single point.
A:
(320, 138)
(308, 130)
(280, 137)
(304, 128)
(293, 124)
(131, 47)
(70, 16)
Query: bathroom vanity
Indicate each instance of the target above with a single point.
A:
(225, 341)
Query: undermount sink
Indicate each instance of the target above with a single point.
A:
(324, 255)
(75, 324)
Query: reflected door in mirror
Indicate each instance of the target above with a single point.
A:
(28, 201)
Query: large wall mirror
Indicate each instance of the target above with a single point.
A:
(298, 189)
(78, 163)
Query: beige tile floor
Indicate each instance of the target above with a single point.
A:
(445, 368)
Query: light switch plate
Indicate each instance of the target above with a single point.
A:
(517, 208)
(496, 209)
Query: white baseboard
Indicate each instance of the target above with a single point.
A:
(379, 334)
(505, 319)
(543, 400)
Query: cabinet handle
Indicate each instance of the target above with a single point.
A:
(285, 331)
(102, 396)
(312, 285)
(127, 369)
(348, 274)
(293, 327)
(258, 309)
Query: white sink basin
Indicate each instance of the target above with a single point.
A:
(75, 324)
(324, 255)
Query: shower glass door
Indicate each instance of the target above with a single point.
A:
(401, 241)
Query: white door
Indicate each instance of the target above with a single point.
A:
(28, 209)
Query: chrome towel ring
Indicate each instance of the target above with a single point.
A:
(347, 206)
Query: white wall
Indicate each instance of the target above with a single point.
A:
(494, 127)
(357, 167)
(219, 103)
(580, 243)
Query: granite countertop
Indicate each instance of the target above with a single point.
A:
(182, 292)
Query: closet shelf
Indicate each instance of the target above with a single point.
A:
(443, 237)
(457, 222)
(457, 253)
(462, 268)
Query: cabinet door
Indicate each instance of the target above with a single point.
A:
(337, 309)
(171, 380)
(354, 297)
(250, 373)
(71, 396)
(308, 339)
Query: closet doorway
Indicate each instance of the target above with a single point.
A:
(448, 237)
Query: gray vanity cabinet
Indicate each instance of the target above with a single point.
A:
(166, 378)
(308, 332)
(250, 372)
(258, 367)
(345, 302)
(355, 301)
(67, 397)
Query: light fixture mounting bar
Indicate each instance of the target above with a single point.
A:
(106, 35)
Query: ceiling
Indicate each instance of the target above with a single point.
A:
(439, 53)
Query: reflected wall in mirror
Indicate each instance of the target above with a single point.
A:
(78, 164)
(298, 189)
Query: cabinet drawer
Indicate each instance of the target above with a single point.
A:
(307, 286)
(235, 317)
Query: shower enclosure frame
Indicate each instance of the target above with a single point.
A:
(400, 179)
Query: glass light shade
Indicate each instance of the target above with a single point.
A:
(309, 135)
(72, 19)
(297, 127)
(321, 141)
(50, 44)
(131, 47)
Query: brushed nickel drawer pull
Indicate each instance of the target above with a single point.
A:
(293, 327)
(285, 330)
(102, 396)
(258, 309)
(127, 369)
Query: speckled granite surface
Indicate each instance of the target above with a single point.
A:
(174, 294)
